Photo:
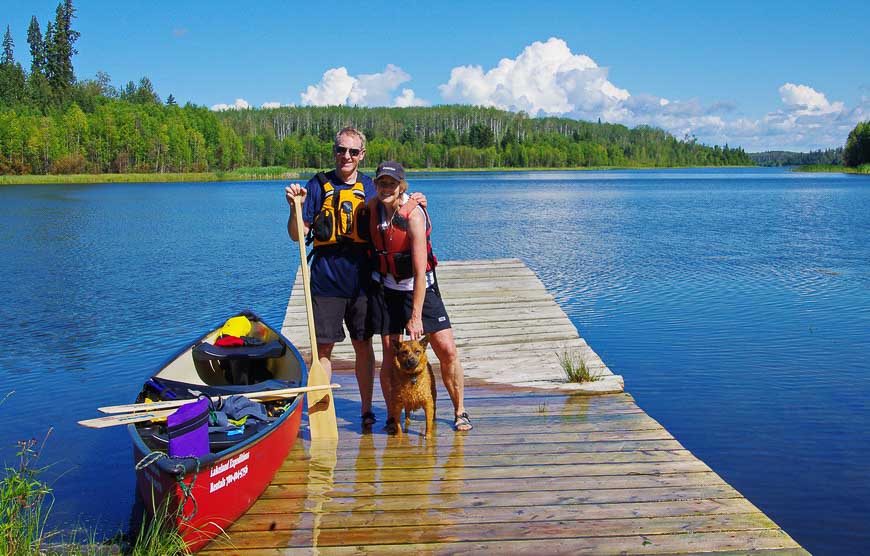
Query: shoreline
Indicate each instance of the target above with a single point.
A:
(272, 174)
(287, 174)
(864, 169)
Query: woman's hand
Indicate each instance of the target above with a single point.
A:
(415, 327)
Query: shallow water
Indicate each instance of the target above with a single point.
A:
(734, 302)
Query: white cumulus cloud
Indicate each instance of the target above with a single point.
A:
(408, 98)
(806, 100)
(334, 88)
(338, 87)
(268, 105)
(240, 104)
(548, 79)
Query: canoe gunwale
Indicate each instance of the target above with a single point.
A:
(181, 467)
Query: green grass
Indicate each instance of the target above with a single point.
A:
(265, 173)
(575, 367)
(25, 504)
(239, 174)
(253, 173)
(105, 178)
(157, 535)
(831, 168)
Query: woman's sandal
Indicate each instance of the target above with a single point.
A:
(391, 427)
(462, 423)
(368, 419)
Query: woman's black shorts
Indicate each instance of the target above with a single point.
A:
(390, 310)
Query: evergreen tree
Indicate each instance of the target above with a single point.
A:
(509, 138)
(408, 135)
(144, 93)
(60, 49)
(170, 100)
(49, 49)
(11, 75)
(480, 136)
(37, 47)
(12, 81)
(449, 138)
(128, 92)
(8, 58)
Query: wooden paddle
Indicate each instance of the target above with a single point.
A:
(263, 394)
(321, 406)
(126, 419)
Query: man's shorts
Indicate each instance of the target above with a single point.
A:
(390, 310)
(331, 312)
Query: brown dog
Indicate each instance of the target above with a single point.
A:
(412, 383)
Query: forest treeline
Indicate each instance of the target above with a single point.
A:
(857, 150)
(791, 158)
(107, 134)
(50, 122)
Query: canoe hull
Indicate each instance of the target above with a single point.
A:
(208, 494)
(223, 489)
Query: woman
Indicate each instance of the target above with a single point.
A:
(406, 296)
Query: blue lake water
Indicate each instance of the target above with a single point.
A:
(736, 304)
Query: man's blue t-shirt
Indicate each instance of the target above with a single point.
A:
(337, 271)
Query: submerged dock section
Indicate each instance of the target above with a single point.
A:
(545, 471)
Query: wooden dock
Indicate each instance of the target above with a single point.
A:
(508, 328)
(545, 470)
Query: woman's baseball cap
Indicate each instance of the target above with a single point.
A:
(390, 168)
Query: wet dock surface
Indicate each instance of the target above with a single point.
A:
(541, 473)
(544, 471)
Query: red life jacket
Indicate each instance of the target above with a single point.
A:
(392, 246)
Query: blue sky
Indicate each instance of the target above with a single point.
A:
(761, 75)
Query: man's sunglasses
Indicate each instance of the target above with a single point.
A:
(342, 150)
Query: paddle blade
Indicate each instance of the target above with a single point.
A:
(114, 420)
(321, 409)
(264, 395)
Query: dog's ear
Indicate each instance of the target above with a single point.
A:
(424, 341)
(395, 343)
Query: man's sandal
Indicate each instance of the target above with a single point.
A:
(462, 423)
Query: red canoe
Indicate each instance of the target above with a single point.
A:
(212, 490)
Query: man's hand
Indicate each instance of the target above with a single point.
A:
(295, 190)
(419, 198)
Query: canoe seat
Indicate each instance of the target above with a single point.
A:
(210, 352)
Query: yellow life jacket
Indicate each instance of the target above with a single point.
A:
(343, 216)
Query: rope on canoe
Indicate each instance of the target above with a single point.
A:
(154, 457)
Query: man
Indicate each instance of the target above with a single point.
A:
(333, 206)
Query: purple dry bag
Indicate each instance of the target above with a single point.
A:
(188, 430)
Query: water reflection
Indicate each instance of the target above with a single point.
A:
(321, 478)
(373, 482)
